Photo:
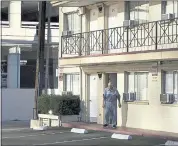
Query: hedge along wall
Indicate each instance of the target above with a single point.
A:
(59, 104)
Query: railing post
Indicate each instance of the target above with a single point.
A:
(102, 42)
(80, 45)
(127, 38)
(61, 46)
(156, 38)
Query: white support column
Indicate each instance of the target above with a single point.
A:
(103, 24)
(13, 68)
(102, 84)
(15, 14)
(122, 86)
(61, 28)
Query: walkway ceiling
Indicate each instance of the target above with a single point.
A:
(79, 3)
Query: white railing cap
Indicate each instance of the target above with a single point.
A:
(30, 23)
(4, 22)
(35, 23)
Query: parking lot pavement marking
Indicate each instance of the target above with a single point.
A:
(15, 129)
(169, 143)
(31, 135)
(75, 140)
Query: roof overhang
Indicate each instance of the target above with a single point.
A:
(79, 3)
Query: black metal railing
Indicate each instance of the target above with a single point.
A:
(152, 35)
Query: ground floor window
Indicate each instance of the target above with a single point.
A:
(171, 83)
(138, 83)
(3, 74)
(72, 83)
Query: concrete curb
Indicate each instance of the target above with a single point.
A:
(99, 129)
(169, 143)
(40, 128)
(77, 130)
(121, 136)
(120, 131)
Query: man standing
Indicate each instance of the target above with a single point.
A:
(110, 97)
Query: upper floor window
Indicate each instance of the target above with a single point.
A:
(169, 7)
(137, 10)
(29, 11)
(53, 13)
(4, 10)
(138, 83)
(3, 74)
(163, 7)
(170, 83)
(72, 22)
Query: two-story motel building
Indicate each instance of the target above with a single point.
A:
(133, 44)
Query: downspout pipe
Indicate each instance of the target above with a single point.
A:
(81, 76)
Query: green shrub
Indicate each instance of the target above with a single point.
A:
(63, 105)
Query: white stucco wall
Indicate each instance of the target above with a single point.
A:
(154, 8)
(17, 104)
(151, 115)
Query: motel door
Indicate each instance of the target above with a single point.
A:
(93, 97)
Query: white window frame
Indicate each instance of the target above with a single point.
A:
(128, 10)
(73, 28)
(163, 7)
(165, 3)
(71, 82)
(136, 88)
(174, 90)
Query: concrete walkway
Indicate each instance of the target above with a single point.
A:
(122, 130)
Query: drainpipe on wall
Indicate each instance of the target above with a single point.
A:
(80, 51)
(81, 92)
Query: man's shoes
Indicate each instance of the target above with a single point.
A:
(114, 127)
(105, 125)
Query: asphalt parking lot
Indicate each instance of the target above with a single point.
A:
(63, 136)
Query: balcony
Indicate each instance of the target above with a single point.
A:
(151, 36)
(27, 34)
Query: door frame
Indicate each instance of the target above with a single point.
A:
(106, 84)
(111, 73)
